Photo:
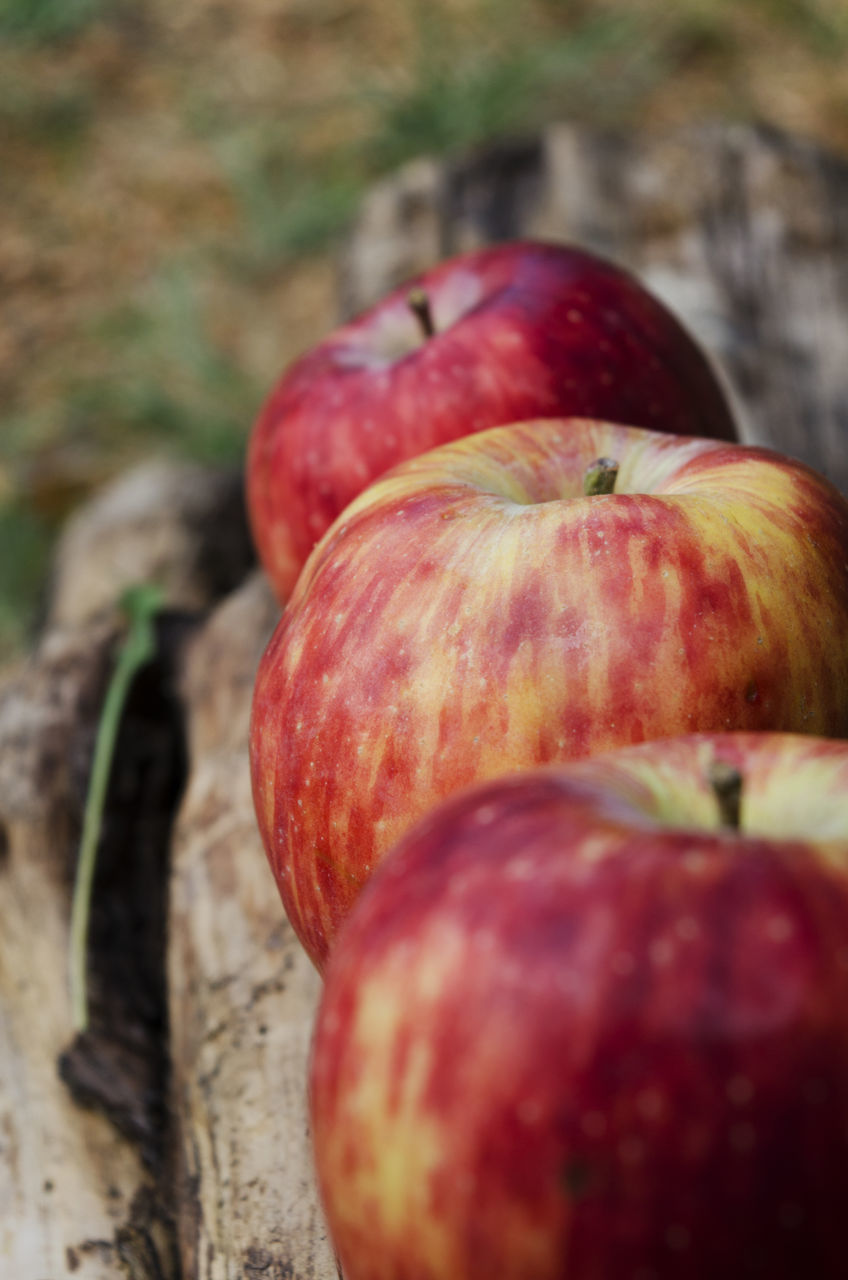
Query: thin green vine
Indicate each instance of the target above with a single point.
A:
(140, 604)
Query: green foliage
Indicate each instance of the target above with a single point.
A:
(45, 21)
(821, 24)
(168, 381)
(168, 387)
(487, 70)
(463, 92)
(289, 207)
(181, 421)
(485, 73)
(24, 547)
(591, 63)
(56, 116)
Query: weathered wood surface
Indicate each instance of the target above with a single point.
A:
(68, 1177)
(84, 1148)
(243, 991)
(744, 233)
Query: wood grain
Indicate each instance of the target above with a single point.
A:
(243, 992)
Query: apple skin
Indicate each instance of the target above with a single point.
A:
(574, 1031)
(469, 615)
(523, 330)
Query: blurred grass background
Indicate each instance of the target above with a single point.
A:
(175, 176)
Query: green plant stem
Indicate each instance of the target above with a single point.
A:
(140, 604)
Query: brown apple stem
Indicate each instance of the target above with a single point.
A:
(726, 782)
(600, 477)
(419, 304)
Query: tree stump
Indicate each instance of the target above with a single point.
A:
(171, 1139)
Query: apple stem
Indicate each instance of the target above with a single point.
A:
(600, 477)
(726, 782)
(419, 304)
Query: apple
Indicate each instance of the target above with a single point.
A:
(588, 1023)
(473, 613)
(523, 330)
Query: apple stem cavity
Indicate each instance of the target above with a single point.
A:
(140, 604)
(726, 782)
(418, 302)
(600, 477)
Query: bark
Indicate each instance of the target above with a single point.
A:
(84, 1142)
(81, 1118)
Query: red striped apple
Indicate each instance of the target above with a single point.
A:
(581, 1026)
(522, 330)
(473, 613)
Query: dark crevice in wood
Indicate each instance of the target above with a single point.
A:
(491, 190)
(120, 1065)
(225, 554)
(147, 1243)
